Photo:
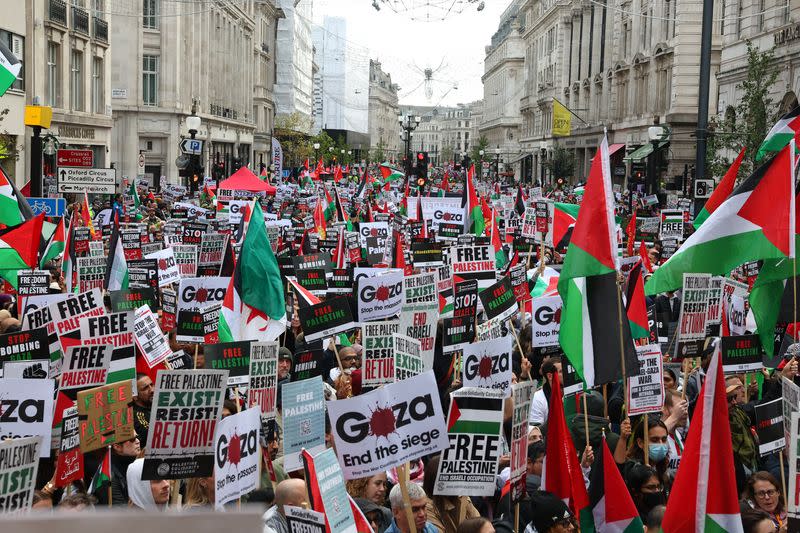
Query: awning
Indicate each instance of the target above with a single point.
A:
(615, 148)
(643, 151)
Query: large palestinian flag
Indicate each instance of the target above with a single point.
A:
(613, 509)
(564, 217)
(755, 222)
(9, 68)
(591, 321)
(723, 190)
(703, 496)
(781, 133)
(14, 208)
(472, 206)
(254, 307)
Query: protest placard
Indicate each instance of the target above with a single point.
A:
(519, 283)
(143, 273)
(377, 356)
(528, 227)
(419, 291)
(791, 402)
(313, 280)
(426, 253)
(491, 329)
(193, 233)
(186, 259)
(465, 298)
(115, 329)
(168, 271)
(545, 321)
(85, 367)
(237, 456)
(714, 302)
(741, 353)
(299, 520)
(487, 364)
(210, 318)
(131, 239)
(769, 426)
(793, 443)
(211, 253)
(67, 314)
(27, 406)
(438, 209)
(152, 343)
(306, 362)
(303, 410)
(456, 333)
(19, 462)
(31, 283)
(691, 332)
(474, 262)
(468, 465)
(646, 388)
(132, 299)
(521, 392)
(326, 318)
(69, 464)
(335, 501)
(420, 324)
(263, 379)
(105, 415)
(380, 296)
(388, 426)
(194, 294)
(91, 272)
(377, 230)
(407, 357)
(169, 309)
(180, 440)
(671, 224)
(24, 346)
(231, 356)
(498, 300)
(341, 281)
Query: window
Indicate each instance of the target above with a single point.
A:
(98, 8)
(762, 6)
(53, 76)
(150, 80)
(98, 94)
(150, 14)
(76, 80)
(740, 10)
(16, 43)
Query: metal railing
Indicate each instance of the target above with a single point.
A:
(100, 30)
(80, 20)
(57, 11)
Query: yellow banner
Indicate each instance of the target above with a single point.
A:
(562, 119)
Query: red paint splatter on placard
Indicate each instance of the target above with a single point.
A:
(382, 422)
(382, 294)
(235, 449)
(557, 316)
(485, 367)
(162, 264)
(201, 295)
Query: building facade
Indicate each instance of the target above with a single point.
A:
(383, 112)
(13, 33)
(211, 62)
(294, 85)
(267, 15)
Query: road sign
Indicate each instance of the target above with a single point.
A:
(51, 207)
(191, 146)
(140, 163)
(75, 158)
(703, 188)
(91, 180)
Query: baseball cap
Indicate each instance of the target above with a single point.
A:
(548, 510)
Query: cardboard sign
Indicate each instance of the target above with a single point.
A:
(407, 357)
(741, 353)
(152, 343)
(193, 233)
(691, 331)
(438, 210)
(498, 300)
(85, 367)
(34, 283)
(263, 379)
(180, 441)
(474, 423)
(67, 315)
(491, 329)
(168, 271)
(169, 309)
(522, 393)
(69, 465)
(671, 224)
(341, 281)
(131, 243)
(27, 406)
(186, 259)
(457, 333)
(465, 298)
(715, 301)
(519, 283)
(30, 345)
(377, 366)
(231, 356)
(646, 389)
(326, 318)
(487, 364)
(419, 292)
(194, 294)
(210, 318)
(19, 462)
(388, 426)
(115, 330)
(237, 456)
(313, 280)
(106, 415)
(378, 230)
(380, 296)
(769, 426)
(132, 299)
(529, 226)
(143, 274)
(335, 501)
(420, 323)
(546, 321)
(303, 410)
(474, 262)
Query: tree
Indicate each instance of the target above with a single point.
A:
(745, 124)
(561, 164)
(325, 143)
(292, 131)
(482, 144)
(377, 154)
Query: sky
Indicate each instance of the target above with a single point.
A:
(454, 48)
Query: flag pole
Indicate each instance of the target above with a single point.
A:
(621, 343)
(402, 477)
(516, 337)
(783, 476)
(585, 421)
(646, 443)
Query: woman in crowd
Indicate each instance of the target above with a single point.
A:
(374, 489)
(657, 448)
(764, 494)
(646, 489)
(200, 492)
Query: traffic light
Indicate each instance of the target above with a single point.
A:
(421, 182)
(422, 164)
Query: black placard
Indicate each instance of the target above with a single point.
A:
(426, 253)
(313, 280)
(193, 233)
(143, 274)
(498, 299)
(326, 318)
(132, 299)
(465, 298)
(28, 345)
(231, 356)
(741, 353)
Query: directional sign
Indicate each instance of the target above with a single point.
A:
(51, 207)
(703, 188)
(91, 180)
(75, 158)
(191, 146)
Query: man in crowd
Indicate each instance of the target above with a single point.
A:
(418, 499)
(122, 455)
(288, 492)
(141, 406)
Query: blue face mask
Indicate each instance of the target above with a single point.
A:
(658, 451)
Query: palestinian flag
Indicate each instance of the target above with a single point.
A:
(545, 284)
(500, 258)
(9, 68)
(341, 213)
(56, 244)
(564, 217)
(14, 208)
(475, 415)
(781, 133)
(519, 202)
(474, 213)
(137, 204)
(755, 222)
(389, 174)
(319, 220)
(103, 473)
(703, 496)
(562, 474)
(588, 286)
(636, 306)
(254, 307)
(87, 215)
(19, 246)
(330, 206)
(116, 277)
(69, 261)
(304, 296)
(722, 191)
(613, 509)
(645, 257)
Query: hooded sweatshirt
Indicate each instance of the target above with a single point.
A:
(139, 489)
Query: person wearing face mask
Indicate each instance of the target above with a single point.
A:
(646, 489)
(675, 414)
(150, 495)
(657, 448)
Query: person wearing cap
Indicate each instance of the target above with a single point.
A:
(373, 513)
(745, 450)
(284, 368)
(550, 514)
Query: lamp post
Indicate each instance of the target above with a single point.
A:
(193, 124)
(37, 117)
(497, 163)
(316, 154)
(654, 134)
(331, 154)
(481, 152)
(408, 124)
(542, 157)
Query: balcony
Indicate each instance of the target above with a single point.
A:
(57, 11)
(80, 20)
(100, 30)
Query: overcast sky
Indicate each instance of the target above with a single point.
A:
(406, 47)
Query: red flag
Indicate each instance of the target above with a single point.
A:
(631, 233)
(86, 215)
(645, 257)
(636, 306)
(340, 252)
(487, 216)
(24, 239)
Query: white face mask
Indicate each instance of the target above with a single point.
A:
(348, 371)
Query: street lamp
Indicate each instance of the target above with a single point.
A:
(408, 125)
(481, 152)
(316, 155)
(542, 157)
(654, 134)
(193, 124)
